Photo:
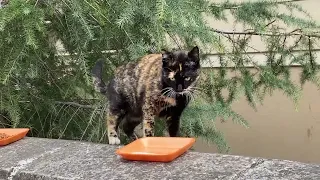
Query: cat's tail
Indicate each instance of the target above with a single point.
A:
(98, 83)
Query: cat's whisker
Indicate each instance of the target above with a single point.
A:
(167, 91)
(196, 89)
(189, 95)
(166, 102)
(186, 93)
(199, 89)
(170, 93)
(167, 88)
(192, 95)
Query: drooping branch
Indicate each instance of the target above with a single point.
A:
(285, 34)
(85, 106)
(233, 6)
(76, 104)
(310, 52)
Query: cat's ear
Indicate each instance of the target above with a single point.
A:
(166, 57)
(194, 54)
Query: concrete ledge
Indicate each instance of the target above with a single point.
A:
(48, 159)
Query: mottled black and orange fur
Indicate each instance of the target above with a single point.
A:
(157, 85)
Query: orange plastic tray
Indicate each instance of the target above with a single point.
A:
(158, 149)
(14, 134)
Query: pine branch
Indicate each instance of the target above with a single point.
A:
(266, 34)
(76, 104)
(231, 6)
(310, 52)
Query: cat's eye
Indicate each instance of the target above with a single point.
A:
(187, 78)
(172, 78)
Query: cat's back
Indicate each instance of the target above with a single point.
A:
(133, 79)
(146, 67)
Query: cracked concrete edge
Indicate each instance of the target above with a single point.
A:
(25, 162)
(267, 168)
(10, 173)
(28, 176)
(254, 165)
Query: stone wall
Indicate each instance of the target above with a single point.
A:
(48, 159)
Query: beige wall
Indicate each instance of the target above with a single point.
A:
(256, 44)
(276, 130)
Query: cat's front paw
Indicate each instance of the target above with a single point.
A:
(114, 140)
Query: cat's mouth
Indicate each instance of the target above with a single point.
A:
(189, 92)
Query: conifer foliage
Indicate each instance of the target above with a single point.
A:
(48, 88)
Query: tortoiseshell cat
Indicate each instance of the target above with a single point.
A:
(159, 85)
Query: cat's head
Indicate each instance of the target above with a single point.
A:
(180, 70)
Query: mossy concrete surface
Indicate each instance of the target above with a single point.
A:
(48, 159)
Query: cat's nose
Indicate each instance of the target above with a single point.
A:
(179, 87)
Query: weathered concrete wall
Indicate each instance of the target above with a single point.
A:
(47, 159)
